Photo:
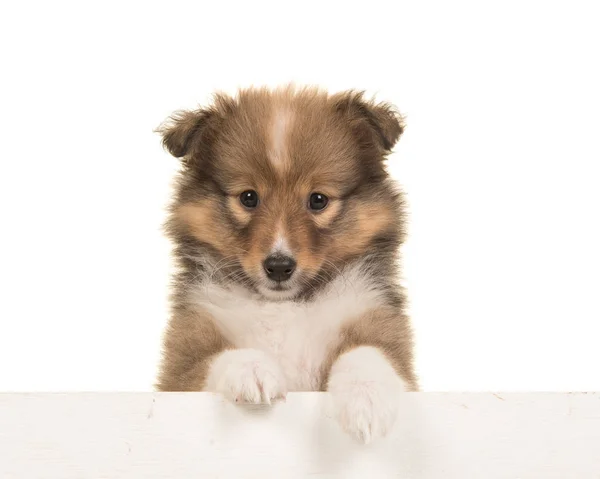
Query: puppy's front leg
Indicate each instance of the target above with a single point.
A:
(365, 389)
(246, 375)
(198, 358)
(368, 370)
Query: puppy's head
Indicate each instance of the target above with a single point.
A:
(282, 188)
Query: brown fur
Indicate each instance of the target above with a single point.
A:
(383, 330)
(336, 146)
(191, 341)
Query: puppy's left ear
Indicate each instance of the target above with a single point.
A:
(383, 119)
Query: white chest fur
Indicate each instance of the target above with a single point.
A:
(297, 335)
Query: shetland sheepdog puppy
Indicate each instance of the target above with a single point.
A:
(286, 228)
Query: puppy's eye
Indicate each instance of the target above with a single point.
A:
(249, 199)
(317, 201)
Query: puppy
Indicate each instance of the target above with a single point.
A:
(286, 228)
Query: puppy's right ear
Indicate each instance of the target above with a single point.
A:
(185, 132)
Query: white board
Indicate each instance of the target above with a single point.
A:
(185, 435)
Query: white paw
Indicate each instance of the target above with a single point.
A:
(365, 390)
(246, 375)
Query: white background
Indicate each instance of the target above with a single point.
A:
(499, 161)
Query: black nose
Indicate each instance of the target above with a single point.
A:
(279, 267)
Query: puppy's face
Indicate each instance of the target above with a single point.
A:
(283, 188)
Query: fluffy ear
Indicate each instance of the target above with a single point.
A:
(185, 131)
(381, 118)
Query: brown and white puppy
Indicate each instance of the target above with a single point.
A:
(286, 228)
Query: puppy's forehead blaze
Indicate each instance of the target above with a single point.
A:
(290, 146)
(280, 126)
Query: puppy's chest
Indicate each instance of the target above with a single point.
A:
(298, 336)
